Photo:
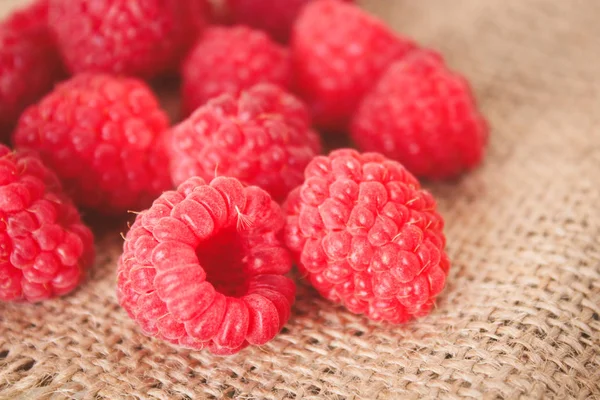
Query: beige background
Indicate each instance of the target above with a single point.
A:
(7, 5)
(520, 315)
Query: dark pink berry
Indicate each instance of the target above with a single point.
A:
(367, 236)
(139, 38)
(261, 137)
(423, 115)
(44, 247)
(29, 62)
(275, 17)
(230, 60)
(338, 52)
(102, 135)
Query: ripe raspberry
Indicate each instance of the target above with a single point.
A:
(142, 38)
(29, 62)
(338, 52)
(423, 115)
(205, 265)
(229, 60)
(367, 236)
(261, 137)
(44, 246)
(101, 135)
(276, 17)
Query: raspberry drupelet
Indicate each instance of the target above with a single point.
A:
(424, 116)
(204, 267)
(44, 247)
(229, 60)
(338, 53)
(367, 236)
(140, 38)
(101, 134)
(262, 137)
(29, 62)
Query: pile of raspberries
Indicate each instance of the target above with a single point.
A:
(238, 190)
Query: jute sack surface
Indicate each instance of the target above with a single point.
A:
(520, 314)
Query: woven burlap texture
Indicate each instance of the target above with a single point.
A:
(520, 314)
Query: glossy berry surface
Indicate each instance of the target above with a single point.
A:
(229, 60)
(29, 62)
(424, 116)
(44, 247)
(140, 38)
(367, 236)
(262, 137)
(101, 135)
(204, 267)
(339, 51)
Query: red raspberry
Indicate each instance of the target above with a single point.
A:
(229, 60)
(273, 16)
(44, 247)
(101, 135)
(205, 265)
(367, 236)
(423, 115)
(142, 38)
(29, 62)
(338, 52)
(261, 137)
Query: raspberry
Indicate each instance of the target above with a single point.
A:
(142, 38)
(261, 137)
(204, 267)
(44, 247)
(423, 115)
(101, 135)
(338, 52)
(29, 62)
(229, 60)
(276, 17)
(367, 236)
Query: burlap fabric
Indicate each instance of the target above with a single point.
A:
(520, 315)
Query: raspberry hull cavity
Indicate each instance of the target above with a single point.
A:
(367, 236)
(204, 267)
